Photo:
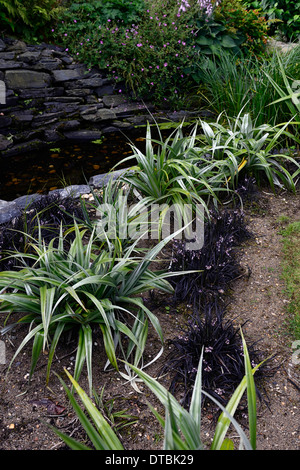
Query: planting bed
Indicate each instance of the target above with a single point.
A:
(257, 297)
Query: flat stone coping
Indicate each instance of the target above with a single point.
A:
(11, 209)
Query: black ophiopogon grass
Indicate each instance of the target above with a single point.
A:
(223, 361)
(208, 330)
(216, 261)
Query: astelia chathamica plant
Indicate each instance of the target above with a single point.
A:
(45, 215)
(170, 171)
(80, 286)
(182, 428)
(242, 147)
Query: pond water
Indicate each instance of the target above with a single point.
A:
(63, 165)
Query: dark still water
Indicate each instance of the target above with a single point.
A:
(63, 164)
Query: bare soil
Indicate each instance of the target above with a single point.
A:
(259, 299)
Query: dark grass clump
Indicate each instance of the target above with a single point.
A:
(216, 261)
(48, 213)
(246, 190)
(223, 360)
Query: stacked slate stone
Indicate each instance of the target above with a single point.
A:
(49, 97)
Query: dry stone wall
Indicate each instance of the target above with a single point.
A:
(50, 97)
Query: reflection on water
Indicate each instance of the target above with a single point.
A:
(62, 165)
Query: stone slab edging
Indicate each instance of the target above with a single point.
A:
(12, 209)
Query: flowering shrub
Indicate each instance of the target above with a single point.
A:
(283, 16)
(151, 46)
(249, 25)
(149, 55)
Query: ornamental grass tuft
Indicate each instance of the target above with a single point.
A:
(82, 285)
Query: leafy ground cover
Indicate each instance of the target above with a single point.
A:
(153, 48)
(69, 286)
(258, 300)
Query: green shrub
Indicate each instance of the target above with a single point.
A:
(85, 15)
(170, 172)
(249, 25)
(283, 16)
(149, 55)
(29, 20)
(153, 47)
